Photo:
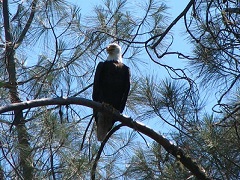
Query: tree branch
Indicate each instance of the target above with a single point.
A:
(27, 26)
(171, 25)
(8, 36)
(51, 101)
(93, 170)
(127, 121)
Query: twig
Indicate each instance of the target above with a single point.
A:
(110, 133)
(171, 25)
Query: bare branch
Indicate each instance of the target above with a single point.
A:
(172, 24)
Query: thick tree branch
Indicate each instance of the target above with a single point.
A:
(8, 36)
(25, 159)
(171, 148)
(50, 101)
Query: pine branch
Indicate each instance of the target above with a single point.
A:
(177, 152)
(27, 26)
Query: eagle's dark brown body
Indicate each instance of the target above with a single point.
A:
(111, 86)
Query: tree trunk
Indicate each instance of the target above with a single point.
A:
(23, 144)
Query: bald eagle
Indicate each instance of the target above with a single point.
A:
(111, 86)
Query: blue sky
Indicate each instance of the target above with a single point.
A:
(175, 8)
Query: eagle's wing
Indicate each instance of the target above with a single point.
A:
(96, 83)
(96, 88)
(126, 88)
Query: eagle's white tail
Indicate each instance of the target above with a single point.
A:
(104, 124)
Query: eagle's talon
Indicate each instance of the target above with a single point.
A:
(106, 105)
(109, 107)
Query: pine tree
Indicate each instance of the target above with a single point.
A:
(49, 52)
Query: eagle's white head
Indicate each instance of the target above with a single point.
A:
(114, 52)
